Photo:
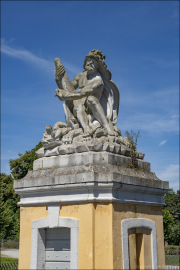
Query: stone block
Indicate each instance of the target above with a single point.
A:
(98, 147)
(82, 148)
(40, 152)
(117, 148)
(51, 151)
(70, 150)
(106, 147)
(111, 147)
(123, 150)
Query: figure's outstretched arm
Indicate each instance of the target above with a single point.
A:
(86, 91)
(75, 82)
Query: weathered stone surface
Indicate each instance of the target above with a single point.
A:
(62, 150)
(88, 167)
(87, 158)
(98, 147)
(70, 150)
(123, 150)
(111, 147)
(82, 148)
(51, 152)
(40, 152)
(106, 147)
(117, 148)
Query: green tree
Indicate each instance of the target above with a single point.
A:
(9, 208)
(19, 167)
(172, 203)
(5, 217)
(132, 143)
(10, 213)
(168, 222)
(171, 217)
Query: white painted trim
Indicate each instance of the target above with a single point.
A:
(136, 223)
(90, 192)
(53, 212)
(38, 239)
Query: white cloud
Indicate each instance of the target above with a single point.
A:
(162, 143)
(29, 57)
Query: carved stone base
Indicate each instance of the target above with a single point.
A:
(110, 144)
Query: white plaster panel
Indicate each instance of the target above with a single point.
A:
(41, 249)
(53, 212)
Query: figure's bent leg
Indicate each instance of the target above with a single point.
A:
(79, 111)
(99, 114)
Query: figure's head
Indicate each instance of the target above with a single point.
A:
(48, 129)
(95, 61)
(91, 64)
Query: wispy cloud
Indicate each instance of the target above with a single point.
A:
(9, 155)
(162, 143)
(152, 123)
(31, 58)
(150, 111)
(162, 97)
(163, 63)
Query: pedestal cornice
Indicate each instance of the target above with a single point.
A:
(102, 180)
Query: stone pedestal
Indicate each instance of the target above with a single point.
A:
(113, 213)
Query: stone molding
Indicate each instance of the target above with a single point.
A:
(137, 223)
(38, 237)
(91, 192)
(88, 167)
(89, 177)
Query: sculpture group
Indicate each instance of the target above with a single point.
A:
(91, 112)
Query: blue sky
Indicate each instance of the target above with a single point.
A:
(141, 42)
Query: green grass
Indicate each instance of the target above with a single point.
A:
(8, 260)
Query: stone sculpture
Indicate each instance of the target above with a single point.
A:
(91, 112)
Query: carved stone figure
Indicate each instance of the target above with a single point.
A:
(96, 102)
(91, 109)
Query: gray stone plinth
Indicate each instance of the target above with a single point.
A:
(79, 159)
(88, 177)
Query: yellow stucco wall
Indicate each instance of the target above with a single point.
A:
(100, 245)
(27, 215)
(125, 211)
(95, 233)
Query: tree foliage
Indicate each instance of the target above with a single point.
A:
(9, 210)
(172, 203)
(171, 217)
(19, 167)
